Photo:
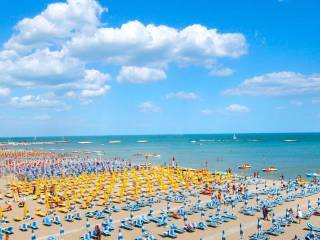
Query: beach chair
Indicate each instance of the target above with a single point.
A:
(202, 225)
(90, 214)
(56, 220)
(189, 228)
(106, 232)
(52, 238)
(162, 222)
(23, 227)
(313, 228)
(86, 236)
(34, 225)
(138, 223)
(9, 230)
(170, 233)
(229, 215)
(47, 222)
(77, 216)
(93, 234)
(69, 217)
(177, 229)
(144, 219)
(126, 225)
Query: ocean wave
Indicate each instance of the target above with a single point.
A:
(114, 141)
(290, 140)
(207, 140)
(254, 140)
(84, 142)
(142, 141)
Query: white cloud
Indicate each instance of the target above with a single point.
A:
(43, 117)
(37, 101)
(43, 67)
(148, 107)
(135, 43)
(221, 72)
(53, 50)
(182, 95)
(278, 84)
(57, 23)
(207, 111)
(95, 92)
(237, 108)
(134, 74)
(4, 92)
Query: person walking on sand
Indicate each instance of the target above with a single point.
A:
(98, 232)
(299, 215)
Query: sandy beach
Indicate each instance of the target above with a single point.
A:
(96, 191)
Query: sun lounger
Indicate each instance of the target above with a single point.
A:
(34, 225)
(47, 222)
(23, 227)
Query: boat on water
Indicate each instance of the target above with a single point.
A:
(84, 142)
(151, 155)
(270, 169)
(244, 166)
(313, 174)
(142, 141)
(234, 137)
(114, 141)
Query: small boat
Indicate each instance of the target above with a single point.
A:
(234, 137)
(142, 141)
(270, 169)
(313, 174)
(244, 166)
(151, 155)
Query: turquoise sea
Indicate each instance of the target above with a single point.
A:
(291, 153)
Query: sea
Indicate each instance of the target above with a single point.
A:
(292, 153)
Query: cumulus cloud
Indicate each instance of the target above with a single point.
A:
(134, 74)
(148, 107)
(58, 22)
(37, 101)
(221, 72)
(278, 84)
(237, 108)
(182, 95)
(4, 92)
(59, 50)
(149, 44)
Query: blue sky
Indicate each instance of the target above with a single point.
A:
(83, 67)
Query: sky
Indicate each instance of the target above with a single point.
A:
(89, 67)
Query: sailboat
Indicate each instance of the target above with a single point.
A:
(234, 137)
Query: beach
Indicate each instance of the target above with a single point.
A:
(124, 193)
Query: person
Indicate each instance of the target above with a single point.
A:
(233, 189)
(98, 232)
(264, 212)
(299, 215)
(241, 232)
